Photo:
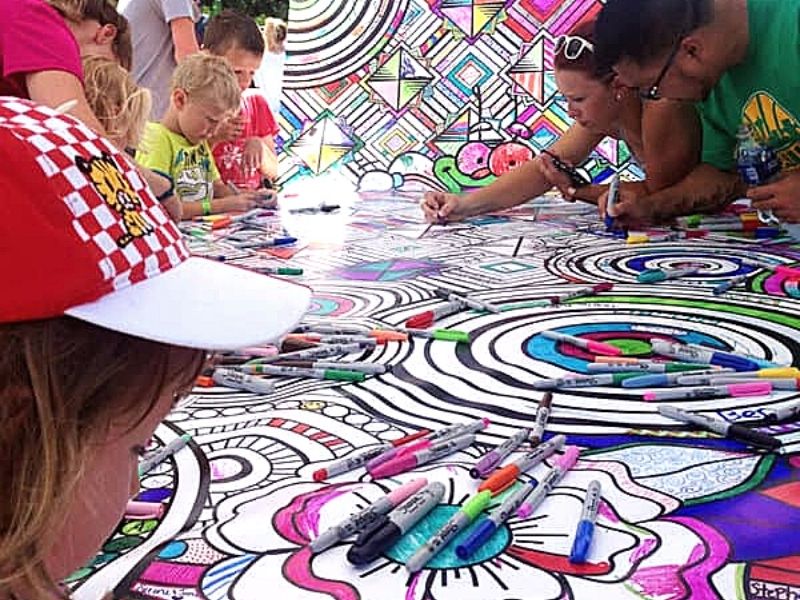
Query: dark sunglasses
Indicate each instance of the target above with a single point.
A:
(652, 93)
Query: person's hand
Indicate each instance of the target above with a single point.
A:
(440, 207)
(174, 208)
(631, 211)
(230, 129)
(556, 178)
(781, 197)
(265, 198)
(252, 157)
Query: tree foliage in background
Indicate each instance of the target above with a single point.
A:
(258, 9)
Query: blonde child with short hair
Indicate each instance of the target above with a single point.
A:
(204, 93)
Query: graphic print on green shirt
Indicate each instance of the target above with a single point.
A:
(763, 91)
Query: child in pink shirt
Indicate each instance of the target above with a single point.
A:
(245, 146)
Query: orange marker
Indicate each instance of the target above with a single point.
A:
(221, 223)
(507, 476)
(387, 335)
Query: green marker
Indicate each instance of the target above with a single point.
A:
(327, 374)
(278, 271)
(445, 335)
(468, 512)
(523, 305)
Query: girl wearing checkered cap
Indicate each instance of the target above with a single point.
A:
(97, 341)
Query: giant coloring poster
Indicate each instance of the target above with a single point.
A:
(447, 93)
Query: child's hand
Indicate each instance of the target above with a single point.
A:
(253, 156)
(440, 207)
(230, 129)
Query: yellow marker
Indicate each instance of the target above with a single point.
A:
(637, 238)
(771, 373)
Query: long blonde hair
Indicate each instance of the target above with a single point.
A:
(64, 384)
(121, 106)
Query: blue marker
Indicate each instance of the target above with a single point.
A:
(704, 355)
(658, 275)
(585, 531)
(761, 362)
(725, 286)
(667, 379)
(613, 193)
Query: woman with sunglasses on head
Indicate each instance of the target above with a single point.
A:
(663, 136)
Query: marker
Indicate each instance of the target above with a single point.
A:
(432, 436)
(580, 293)
(491, 459)
(278, 270)
(739, 376)
(333, 329)
(363, 341)
(386, 532)
(639, 237)
(740, 390)
(590, 345)
(784, 414)
(429, 317)
(542, 415)
(388, 335)
(645, 367)
(350, 463)
(360, 367)
(469, 301)
(581, 381)
(446, 335)
(761, 362)
(658, 275)
(777, 384)
(364, 518)
(326, 374)
(143, 510)
(619, 360)
(613, 193)
(401, 464)
(668, 379)
(563, 464)
(263, 242)
(316, 352)
(726, 286)
(585, 531)
(65, 107)
(703, 355)
(729, 430)
(504, 478)
(149, 463)
(468, 512)
(238, 380)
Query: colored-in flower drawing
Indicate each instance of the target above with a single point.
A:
(633, 550)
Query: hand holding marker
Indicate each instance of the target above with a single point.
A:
(611, 202)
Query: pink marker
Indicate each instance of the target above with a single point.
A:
(590, 345)
(401, 464)
(144, 510)
(788, 272)
(539, 491)
(739, 390)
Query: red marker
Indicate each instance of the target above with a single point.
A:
(429, 317)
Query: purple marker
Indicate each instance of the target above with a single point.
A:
(490, 460)
(554, 475)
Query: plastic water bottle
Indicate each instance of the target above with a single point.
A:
(758, 164)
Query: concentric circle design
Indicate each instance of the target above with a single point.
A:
(432, 382)
(776, 284)
(612, 262)
(327, 41)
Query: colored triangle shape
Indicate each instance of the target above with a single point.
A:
(460, 16)
(389, 91)
(788, 493)
(389, 70)
(483, 12)
(410, 89)
(607, 148)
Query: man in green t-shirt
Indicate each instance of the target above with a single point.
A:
(740, 61)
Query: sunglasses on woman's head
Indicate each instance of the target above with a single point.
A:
(572, 46)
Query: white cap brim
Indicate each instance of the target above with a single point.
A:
(202, 304)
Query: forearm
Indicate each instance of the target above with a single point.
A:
(590, 193)
(706, 189)
(512, 188)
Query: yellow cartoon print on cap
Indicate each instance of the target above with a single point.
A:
(117, 192)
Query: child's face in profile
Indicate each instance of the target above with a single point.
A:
(198, 117)
(244, 64)
(110, 478)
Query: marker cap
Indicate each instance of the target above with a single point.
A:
(407, 490)
(477, 538)
(582, 543)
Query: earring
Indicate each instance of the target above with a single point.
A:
(618, 97)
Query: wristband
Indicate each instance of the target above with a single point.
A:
(206, 205)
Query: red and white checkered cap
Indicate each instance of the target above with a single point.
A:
(81, 234)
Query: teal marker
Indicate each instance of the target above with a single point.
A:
(445, 335)
(658, 275)
(150, 462)
(468, 512)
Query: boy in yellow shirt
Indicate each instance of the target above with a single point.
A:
(204, 93)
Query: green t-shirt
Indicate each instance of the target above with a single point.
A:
(762, 92)
(190, 166)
